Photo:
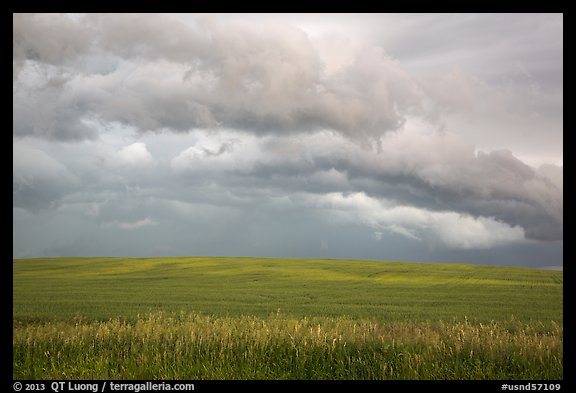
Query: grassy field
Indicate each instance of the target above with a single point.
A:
(250, 318)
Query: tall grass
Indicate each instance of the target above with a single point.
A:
(196, 346)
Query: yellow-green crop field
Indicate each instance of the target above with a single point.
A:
(256, 318)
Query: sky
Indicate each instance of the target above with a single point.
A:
(413, 137)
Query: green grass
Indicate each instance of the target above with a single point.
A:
(250, 318)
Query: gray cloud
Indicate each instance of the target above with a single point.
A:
(47, 38)
(487, 43)
(200, 134)
(437, 172)
(265, 80)
(45, 112)
(38, 180)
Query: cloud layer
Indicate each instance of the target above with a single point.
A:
(154, 124)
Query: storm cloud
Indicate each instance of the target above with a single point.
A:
(266, 131)
(158, 73)
(434, 172)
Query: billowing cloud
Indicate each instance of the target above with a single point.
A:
(443, 228)
(261, 79)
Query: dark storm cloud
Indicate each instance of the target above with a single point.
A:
(439, 173)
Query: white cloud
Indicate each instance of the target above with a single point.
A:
(146, 222)
(135, 154)
(330, 177)
(448, 229)
(216, 153)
